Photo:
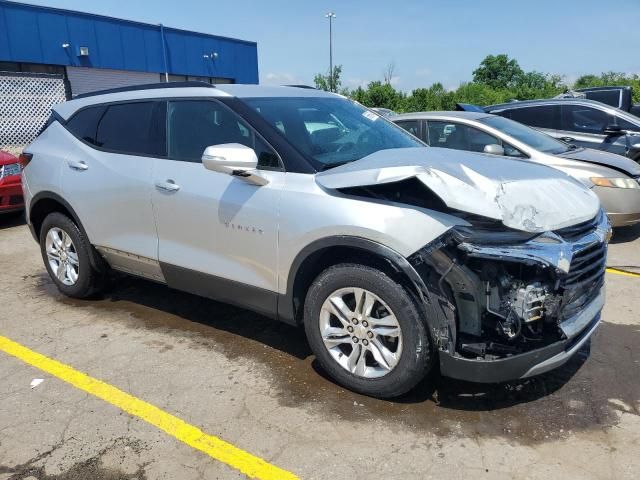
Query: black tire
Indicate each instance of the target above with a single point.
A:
(90, 281)
(416, 356)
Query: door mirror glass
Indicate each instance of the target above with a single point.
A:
(231, 158)
(494, 149)
(612, 130)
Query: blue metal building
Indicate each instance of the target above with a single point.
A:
(95, 52)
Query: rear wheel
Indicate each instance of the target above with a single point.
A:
(366, 332)
(67, 256)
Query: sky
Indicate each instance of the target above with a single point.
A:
(427, 41)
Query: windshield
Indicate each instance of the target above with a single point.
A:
(331, 131)
(533, 138)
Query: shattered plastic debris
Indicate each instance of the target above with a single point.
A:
(35, 382)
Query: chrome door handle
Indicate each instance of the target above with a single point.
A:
(168, 186)
(568, 139)
(80, 166)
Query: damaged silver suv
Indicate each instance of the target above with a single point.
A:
(306, 207)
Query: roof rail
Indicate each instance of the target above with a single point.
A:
(148, 86)
(301, 86)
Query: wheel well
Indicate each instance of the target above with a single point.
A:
(44, 207)
(319, 261)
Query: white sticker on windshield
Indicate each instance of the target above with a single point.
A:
(370, 115)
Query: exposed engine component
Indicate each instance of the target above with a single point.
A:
(518, 305)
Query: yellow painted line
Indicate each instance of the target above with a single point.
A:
(250, 465)
(622, 272)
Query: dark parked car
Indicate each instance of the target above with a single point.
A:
(619, 97)
(582, 122)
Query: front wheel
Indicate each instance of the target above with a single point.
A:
(366, 332)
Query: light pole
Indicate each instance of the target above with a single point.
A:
(330, 16)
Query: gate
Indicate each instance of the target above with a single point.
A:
(25, 105)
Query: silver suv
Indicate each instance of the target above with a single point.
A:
(307, 207)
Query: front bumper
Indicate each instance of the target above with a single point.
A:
(578, 329)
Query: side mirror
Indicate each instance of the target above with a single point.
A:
(233, 159)
(613, 130)
(494, 149)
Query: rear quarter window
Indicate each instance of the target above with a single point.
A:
(84, 124)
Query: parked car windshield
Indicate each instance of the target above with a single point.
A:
(533, 138)
(331, 131)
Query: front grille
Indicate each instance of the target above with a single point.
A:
(585, 278)
(579, 230)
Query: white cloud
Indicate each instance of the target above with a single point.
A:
(395, 81)
(356, 82)
(273, 78)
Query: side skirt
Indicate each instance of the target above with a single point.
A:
(220, 289)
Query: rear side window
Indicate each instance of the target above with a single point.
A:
(543, 116)
(133, 128)
(84, 124)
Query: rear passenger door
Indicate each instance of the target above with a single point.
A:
(107, 180)
(217, 233)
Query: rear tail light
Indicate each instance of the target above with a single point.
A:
(24, 159)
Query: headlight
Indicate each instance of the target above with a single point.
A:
(615, 182)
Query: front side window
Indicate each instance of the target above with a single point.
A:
(579, 118)
(411, 126)
(459, 136)
(195, 125)
(133, 128)
(543, 116)
(330, 131)
(627, 125)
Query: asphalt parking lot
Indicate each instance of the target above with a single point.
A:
(253, 383)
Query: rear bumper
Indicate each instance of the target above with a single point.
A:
(11, 197)
(578, 330)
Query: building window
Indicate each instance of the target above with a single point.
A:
(31, 68)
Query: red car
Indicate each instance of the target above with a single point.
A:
(11, 199)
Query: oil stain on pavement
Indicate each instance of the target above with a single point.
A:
(586, 394)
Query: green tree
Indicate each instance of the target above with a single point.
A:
(498, 71)
(380, 95)
(329, 83)
(611, 79)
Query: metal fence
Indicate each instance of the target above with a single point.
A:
(25, 105)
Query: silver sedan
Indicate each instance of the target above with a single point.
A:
(614, 178)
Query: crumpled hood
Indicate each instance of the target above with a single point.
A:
(523, 195)
(606, 159)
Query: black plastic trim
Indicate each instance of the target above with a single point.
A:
(46, 195)
(286, 306)
(509, 368)
(220, 289)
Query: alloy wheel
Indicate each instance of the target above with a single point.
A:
(361, 332)
(62, 256)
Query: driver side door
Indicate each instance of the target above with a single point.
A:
(217, 233)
